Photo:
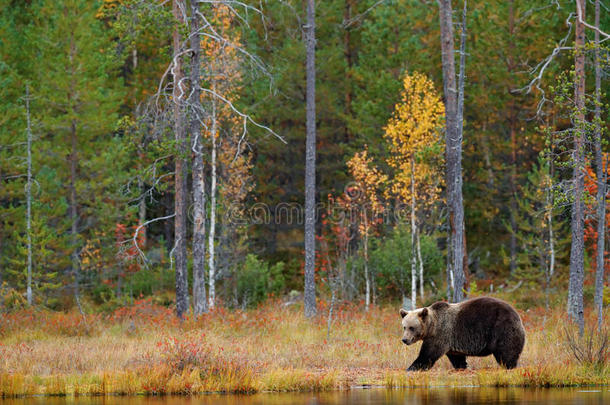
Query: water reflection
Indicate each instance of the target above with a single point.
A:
(431, 396)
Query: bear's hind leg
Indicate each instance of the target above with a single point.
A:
(508, 351)
(507, 354)
(505, 360)
(458, 361)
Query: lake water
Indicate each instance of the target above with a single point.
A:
(376, 396)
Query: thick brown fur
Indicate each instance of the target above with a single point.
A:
(477, 327)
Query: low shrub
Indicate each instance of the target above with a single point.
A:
(257, 280)
(590, 349)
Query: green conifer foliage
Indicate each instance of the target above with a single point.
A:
(48, 256)
(79, 95)
(14, 57)
(542, 234)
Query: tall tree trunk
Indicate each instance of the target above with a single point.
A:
(167, 203)
(141, 185)
(28, 195)
(74, 211)
(73, 202)
(212, 233)
(413, 230)
(142, 209)
(450, 99)
(180, 199)
(513, 199)
(1, 255)
(373, 288)
(349, 61)
(462, 250)
(551, 246)
(333, 296)
(601, 181)
(367, 277)
(513, 145)
(143, 234)
(453, 150)
(421, 268)
(575, 293)
(551, 203)
(449, 275)
(310, 165)
(200, 304)
(487, 158)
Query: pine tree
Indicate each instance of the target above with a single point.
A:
(15, 54)
(393, 38)
(541, 233)
(47, 252)
(76, 86)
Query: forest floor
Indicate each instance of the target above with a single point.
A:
(143, 349)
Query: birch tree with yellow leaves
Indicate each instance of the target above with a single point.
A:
(416, 149)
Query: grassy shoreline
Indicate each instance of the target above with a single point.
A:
(144, 350)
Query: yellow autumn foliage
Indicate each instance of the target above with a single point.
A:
(368, 178)
(414, 132)
(369, 181)
(222, 71)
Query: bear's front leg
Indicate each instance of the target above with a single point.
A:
(428, 355)
(458, 361)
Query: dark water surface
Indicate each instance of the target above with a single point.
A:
(430, 396)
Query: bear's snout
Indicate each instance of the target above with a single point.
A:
(406, 341)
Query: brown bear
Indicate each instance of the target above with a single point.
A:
(477, 327)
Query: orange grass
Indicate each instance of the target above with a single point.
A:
(143, 349)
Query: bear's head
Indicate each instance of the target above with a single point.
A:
(414, 324)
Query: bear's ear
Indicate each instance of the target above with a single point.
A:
(423, 313)
(403, 312)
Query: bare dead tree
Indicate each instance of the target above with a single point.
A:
(550, 269)
(310, 164)
(213, 193)
(575, 291)
(453, 151)
(601, 179)
(74, 212)
(462, 279)
(540, 68)
(580, 14)
(140, 148)
(200, 305)
(185, 102)
(513, 122)
(28, 196)
(367, 273)
(180, 163)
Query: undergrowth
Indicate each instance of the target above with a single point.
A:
(144, 350)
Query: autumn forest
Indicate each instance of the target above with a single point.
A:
(177, 163)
